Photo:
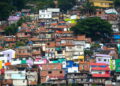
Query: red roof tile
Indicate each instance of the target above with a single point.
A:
(10, 39)
(67, 38)
(34, 39)
(51, 44)
(61, 21)
(54, 24)
(24, 54)
(100, 75)
(64, 32)
(98, 64)
(61, 26)
(100, 68)
(81, 37)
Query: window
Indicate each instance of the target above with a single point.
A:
(81, 60)
(1, 55)
(60, 71)
(74, 64)
(93, 66)
(43, 10)
(25, 33)
(99, 59)
(23, 81)
(105, 60)
(100, 72)
(68, 64)
(8, 55)
(59, 52)
(100, 12)
(19, 51)
(14, 59)
(48, 43)
(81, 79)
(49, 72)
(118, 63)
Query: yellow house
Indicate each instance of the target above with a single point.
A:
(79, 59)
(0, 64)
(102, 3)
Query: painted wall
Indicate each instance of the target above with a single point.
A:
(20, 82)
(103, 60)
(9, 54)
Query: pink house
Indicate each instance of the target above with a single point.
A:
(13, 19)
(39, 61)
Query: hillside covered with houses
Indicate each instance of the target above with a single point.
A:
(50, 45)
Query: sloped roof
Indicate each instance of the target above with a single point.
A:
(100, 75)
(98, 64)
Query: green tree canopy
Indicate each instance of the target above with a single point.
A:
(117, 3)
(88, 8)
(19, 4)
(13, 28)
(20, 43)
(93, 27)
(88, 52)
(65, 5)
(7, 6)
(5, 10)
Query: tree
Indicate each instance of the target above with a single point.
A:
(20, 43)
(88, 52)
(5, 10)
(7, 6)
(93, 27)
(88, 8)
(19, 23)
(19, 4)
(65, 5)
(11, 30)
(95, 46)
(117, 3)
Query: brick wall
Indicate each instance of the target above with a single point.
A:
(55, 66)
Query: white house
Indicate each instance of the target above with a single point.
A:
(6, 57)
(18, 77)
(44, 14)
(48, 13)
(102, 58)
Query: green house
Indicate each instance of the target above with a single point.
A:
(112, 65)
(56, 61)
(58, 49)
(60, 60)
(117, 64)
(23, 62)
